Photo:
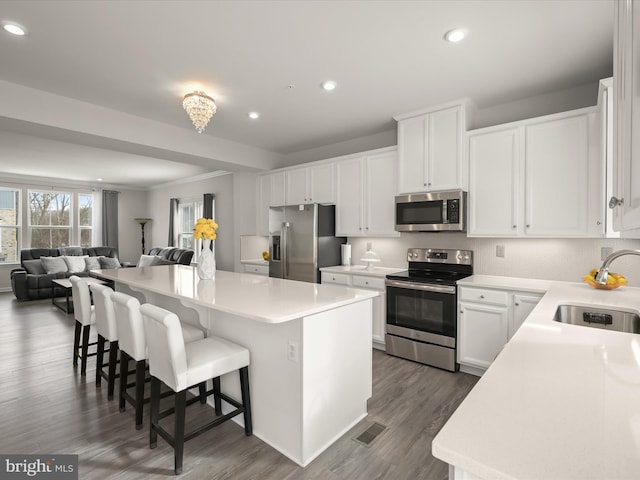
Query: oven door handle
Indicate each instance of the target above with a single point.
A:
(428, 287)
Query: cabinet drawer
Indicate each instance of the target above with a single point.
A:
(338, 278)
(257, 269)
(484, 295)
(368, 282)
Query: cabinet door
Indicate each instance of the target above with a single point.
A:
(379, 319)
(296, 186)
(263, 201)
(557, 177)
(321, 182)
(482, 333)
(522, 306)
(627, 105)
(380, 192)
(350, 198)
(495, 184)
(277, 189)
(412, 154)
(444, 145)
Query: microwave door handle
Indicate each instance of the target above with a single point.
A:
(445, 218)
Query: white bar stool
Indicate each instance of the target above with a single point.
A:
(181, 366)
(107, 332)
(84, 314)
(133, 345)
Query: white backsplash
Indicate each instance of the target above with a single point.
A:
(553, 259)
(252, 246)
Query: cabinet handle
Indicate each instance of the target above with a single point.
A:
(517, 304)
(481, 296)
(598, 222)
(615, 202)
(461, 311)
(528, 226)
(513, 226)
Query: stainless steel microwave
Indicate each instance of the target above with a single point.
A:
(444, 211)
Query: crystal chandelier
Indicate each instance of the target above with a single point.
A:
(200, 107)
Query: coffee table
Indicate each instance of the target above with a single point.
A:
(65, 283)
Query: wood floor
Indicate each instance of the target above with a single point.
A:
(46, 407)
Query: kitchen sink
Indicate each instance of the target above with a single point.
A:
(596, 317)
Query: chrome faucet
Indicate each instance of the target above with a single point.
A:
(603, 273)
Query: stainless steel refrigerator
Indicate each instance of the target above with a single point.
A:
(302, 240)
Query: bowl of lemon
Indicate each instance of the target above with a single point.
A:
(614, 280)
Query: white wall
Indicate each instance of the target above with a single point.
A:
(244, 210)
(553, 259)
(222, 187)
(131, 204)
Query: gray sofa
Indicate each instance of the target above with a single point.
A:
(33, 279)
(171, 255)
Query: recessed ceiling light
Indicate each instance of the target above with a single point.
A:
(329, 85)
(14, 28)
(254, 115)
(99, 179)
(455, 35)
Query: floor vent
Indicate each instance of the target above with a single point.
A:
(367, 437)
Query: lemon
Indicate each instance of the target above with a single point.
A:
(588, 278)
(611, 280)
(593, 272)
(622, 281)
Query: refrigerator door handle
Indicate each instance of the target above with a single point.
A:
(285, 250)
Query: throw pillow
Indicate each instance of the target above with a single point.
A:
(76, 264)
(106, 262)
(34, 267)
(92, 263)
(54, 264)
(147, 261)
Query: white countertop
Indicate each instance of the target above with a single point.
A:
(254, 261)
(507, 283)
(362, 270)
(559, 402)
(261, 298)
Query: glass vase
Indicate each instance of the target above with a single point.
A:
(207, 260)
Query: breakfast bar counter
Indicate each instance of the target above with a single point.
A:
(560, 401)
(310, 346)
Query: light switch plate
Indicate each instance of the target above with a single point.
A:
(500, 251)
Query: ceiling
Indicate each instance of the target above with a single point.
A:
(387, 57)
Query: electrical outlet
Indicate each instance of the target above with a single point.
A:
(500, 251)
(292, 351)
(605, 252)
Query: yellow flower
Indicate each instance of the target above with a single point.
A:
(205, 228)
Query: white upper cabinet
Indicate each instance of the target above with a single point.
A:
(540, 177)
(277, 196)
(495, 183)
(310, 184)
(430, 149)
(366, 195)
(271, 191)
(626, 148)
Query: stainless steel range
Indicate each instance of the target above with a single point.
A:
(422, 306)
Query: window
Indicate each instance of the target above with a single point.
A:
(85, 219)
(188, 213)
(9, 224)
(49, 219)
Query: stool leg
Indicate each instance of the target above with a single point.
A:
(139, 392)
(99, 360)
(246, 400)
(85, 349)
(76, 343)
(113, 359)
(216, 396)
(124, 368)
(180, 406)
(203, 392)
(154, 410)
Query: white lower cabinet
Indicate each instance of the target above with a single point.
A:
(379, 313)
(487, 319)
(255, 269)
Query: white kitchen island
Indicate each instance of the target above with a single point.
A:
(560, 402)
(310, 345)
